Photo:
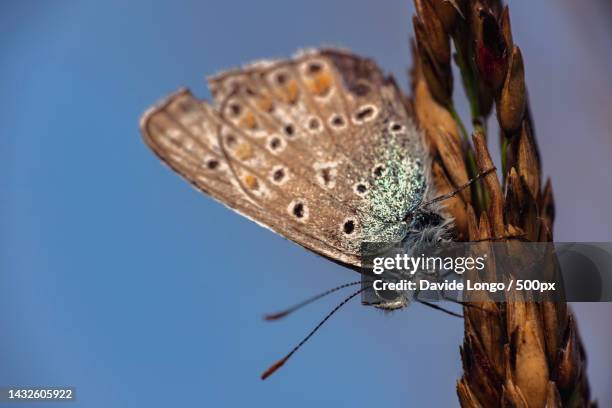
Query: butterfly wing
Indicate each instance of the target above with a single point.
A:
(318, 148)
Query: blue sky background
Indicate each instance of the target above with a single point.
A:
(119, 279)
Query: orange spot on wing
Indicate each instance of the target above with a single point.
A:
(265, 104)
(291, 92)
(320, 84)
(244, 151)
(251, 182)
(248, 121)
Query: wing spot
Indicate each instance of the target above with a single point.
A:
(275, 144)
(314, 124)
(289, 130)
(265, 104)
(361, 89)
(365, 113)
(348, 227)
(337, 121)
(251, 182)
(281, 78)
(279, 175)
(235, 109)
(291, 92)
(360, 189)
(320, 84)
(230, 140)
(396, 127)
(326, 174)
(186, 106)
(378, 170)
(212, 164)
(244, 151)
(298, 209)
(314, 67)
(249, 121)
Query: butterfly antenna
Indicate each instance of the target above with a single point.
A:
(440, 308)
(283, 360)
(279, 315)
(457, 190)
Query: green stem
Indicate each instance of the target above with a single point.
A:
(467, 78)
(480, 194)
(504, 158)
(457, 118)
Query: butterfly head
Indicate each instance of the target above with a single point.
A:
(425, 228)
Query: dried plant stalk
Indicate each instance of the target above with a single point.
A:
(519, 353)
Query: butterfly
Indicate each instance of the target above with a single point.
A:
(320, 148)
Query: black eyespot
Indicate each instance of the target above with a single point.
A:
(185, 107)
(314, 124)
(235, 109)
(298, 210)
(365, 113)
(396, 127)
(326, 175)
(275, 143)
(361, 188)
(337, 121)
(348, 227)
(361, 89)
(281, 79)
(314, 67)
(289, 130)
(378, 170)
(278, 175)
(212, 164)
(230, 140)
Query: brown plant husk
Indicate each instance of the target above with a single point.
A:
(519, 353)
